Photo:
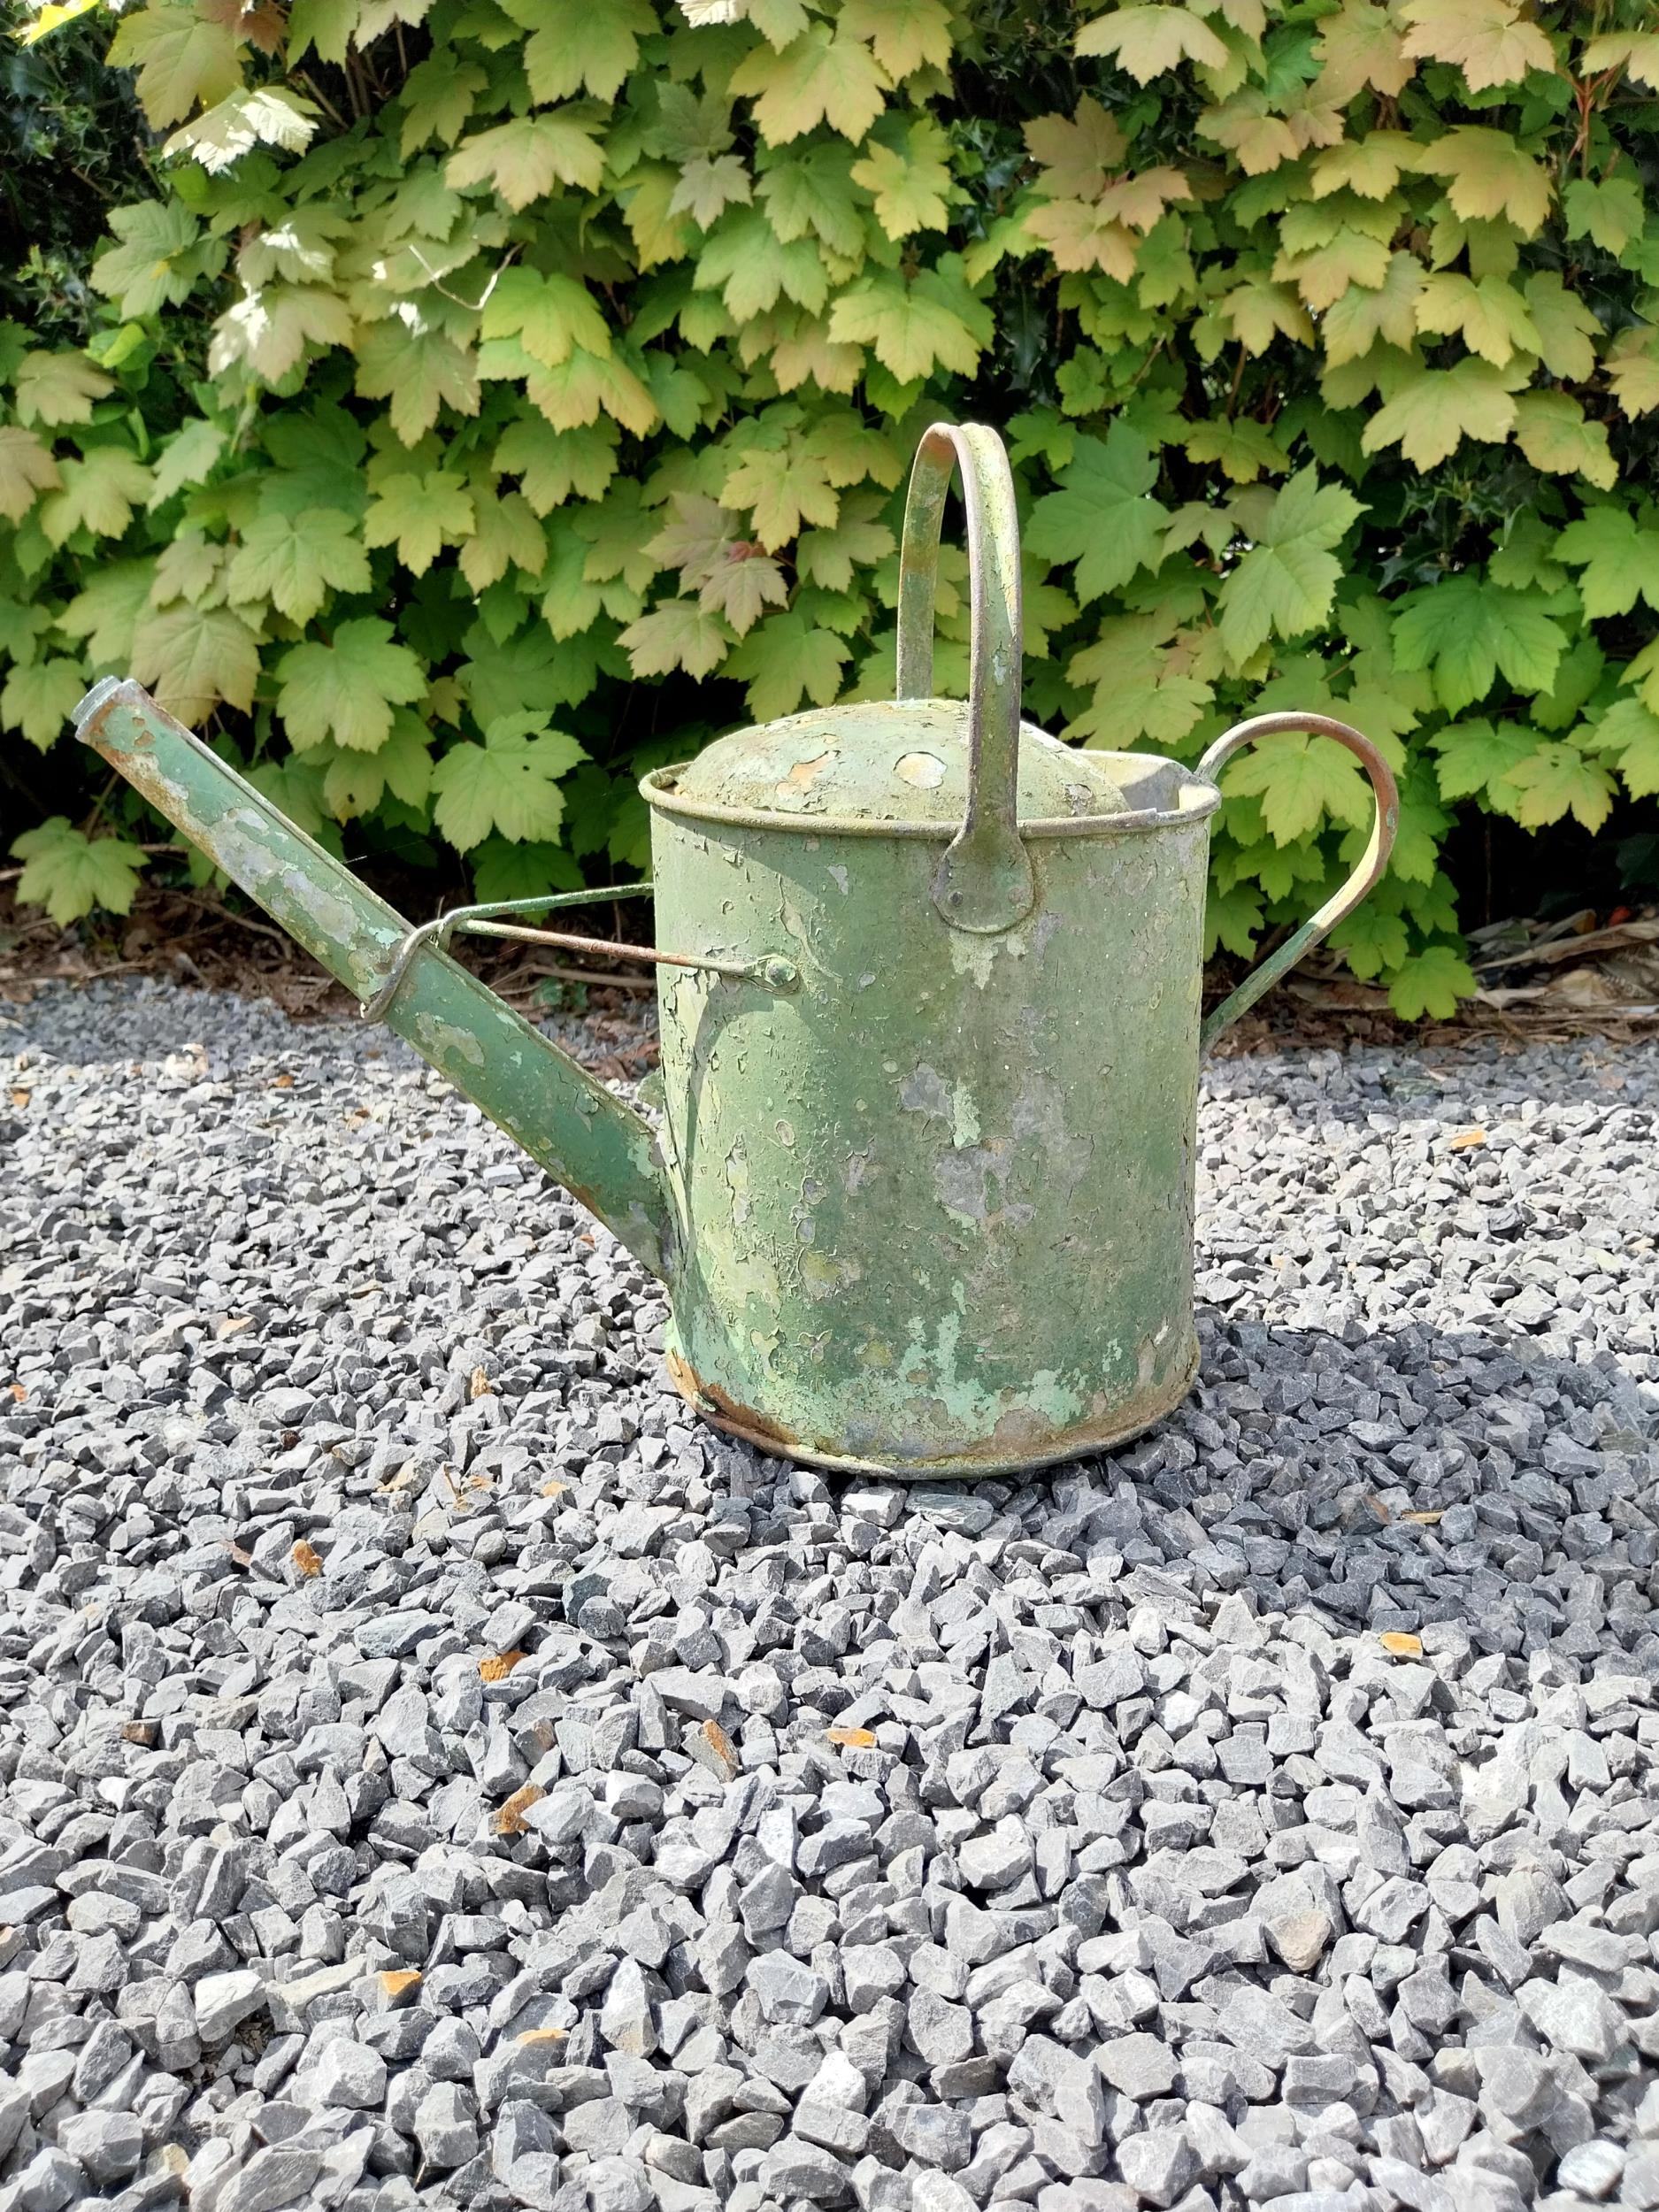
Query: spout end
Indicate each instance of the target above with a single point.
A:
(98, 697)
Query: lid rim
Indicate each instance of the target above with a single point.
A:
(657, 794)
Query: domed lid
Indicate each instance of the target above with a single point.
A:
(903, 760)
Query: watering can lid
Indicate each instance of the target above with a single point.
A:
(883, 761)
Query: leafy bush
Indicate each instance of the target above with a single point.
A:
(481, 400)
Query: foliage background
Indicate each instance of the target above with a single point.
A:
(470, 403)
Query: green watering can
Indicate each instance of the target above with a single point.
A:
(922, 1193)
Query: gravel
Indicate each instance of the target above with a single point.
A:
(434, 1769)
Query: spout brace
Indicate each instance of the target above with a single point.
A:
(563, 1117)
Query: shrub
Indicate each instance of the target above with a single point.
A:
(477, 401)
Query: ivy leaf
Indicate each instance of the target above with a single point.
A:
(1431, 982)
(25, 469)
(525, 158)
(1488, 39)
(1299, 780)
(346, 690)
(191, 657)
(1287, 582)
(1475, 755)
(821, 77)
(1488, 175)
(785, 660)
(57, 387)
(1467, 629)
(1102, 516)
(577, 46)
(1619, 558)
(69, 873)
(1554, 780)
(780, 491)
(510, 783)
(419, 515)
(295, 560)
(933, 322)
(1556, 436)
(676, 634)
(1146, 40)
(39, 698)
(1432, 411)
(906, 35)
(185, 56)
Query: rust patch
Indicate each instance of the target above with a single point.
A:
(805, 773)
(727, 1412)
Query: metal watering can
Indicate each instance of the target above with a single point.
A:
(922, 1195)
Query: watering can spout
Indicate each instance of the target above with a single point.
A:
(564, 1117)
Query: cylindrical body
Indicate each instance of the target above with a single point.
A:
(936, 1204)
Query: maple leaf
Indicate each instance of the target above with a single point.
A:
(40, 697)
(1101, 518)
(1261, 138)
(155, 265)
(708, 186)
(1372, 939)
(1359, 46)
(184, 58)
(1146, 40)
(1564, 324)
(1139, 691)
(270, 329)
(742, 584)
(1354, 322)
(756, 267)
(1489, 175)
(676, 634)
(1467, 630)
(295, 561)
(1287, 582)
(1619, 558)
(346, 690)
(507, 534)
(525, 158)
(1432, 411)
(1554, 433)
(1233, 920)
(355, 783)
(933, 322)
(510, 783)
(1488, 39)
(25, 470)
(1079, 235)
(418, 369)
(1370, 166)
(270, 115)
(104, 612)
(1636, 52)
(57, 387)
(552, 464)
(785, 659)
(419, 514)
(821, 77)
(911, 189)
(829, 559)
(191, 657)
(578, 46)
(1258, 311)
(1431, 982)
(1475, 755)
(781, 490)
(1632, 370)
(549, 315)
(1245, 449)
(436, 99)
(1554, 780)
(69, 873)
(1076, 155)
(1630, 730)
(1610, 211)
(99, 492)
(905, 34)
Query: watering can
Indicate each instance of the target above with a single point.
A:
(929, 996)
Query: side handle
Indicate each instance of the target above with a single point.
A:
(1372, 861)
(984, 882)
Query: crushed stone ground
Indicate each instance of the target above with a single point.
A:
(434, 1770)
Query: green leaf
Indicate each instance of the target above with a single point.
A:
(821, 77)
(185, 57)
(105, 612)
(1233, 920)
(1432, 411)
(25, 469)
(1475, 755)
(1611, 212)
(1431, 983)
(99, 494)
(40, 697)
(510, 783)
(69, 873)
(355, 783)
(346, 690)
(295, 561)
(1629, 732)
(1146, 42)
(1556, 435)
(549, 315)
(780, 491)
(155, 265)
(677, 634)
(501, 871)
(1619, 558)
(1103, 517)
(785, 660)
(57, 387)
(1467, 630)
(932, 322)
(906, 35)
(417, 372)
(1372, 939)
(578, 46)
(525, 158)
(193, 656)
(1288, 581)
(419, 515)
(1299, 780)
(1556, 780)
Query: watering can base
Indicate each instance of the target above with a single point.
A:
(1129, 1420)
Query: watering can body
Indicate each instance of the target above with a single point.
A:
(922, 1191)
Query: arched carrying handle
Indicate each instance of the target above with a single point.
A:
(985, 881)
(1372, 861)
